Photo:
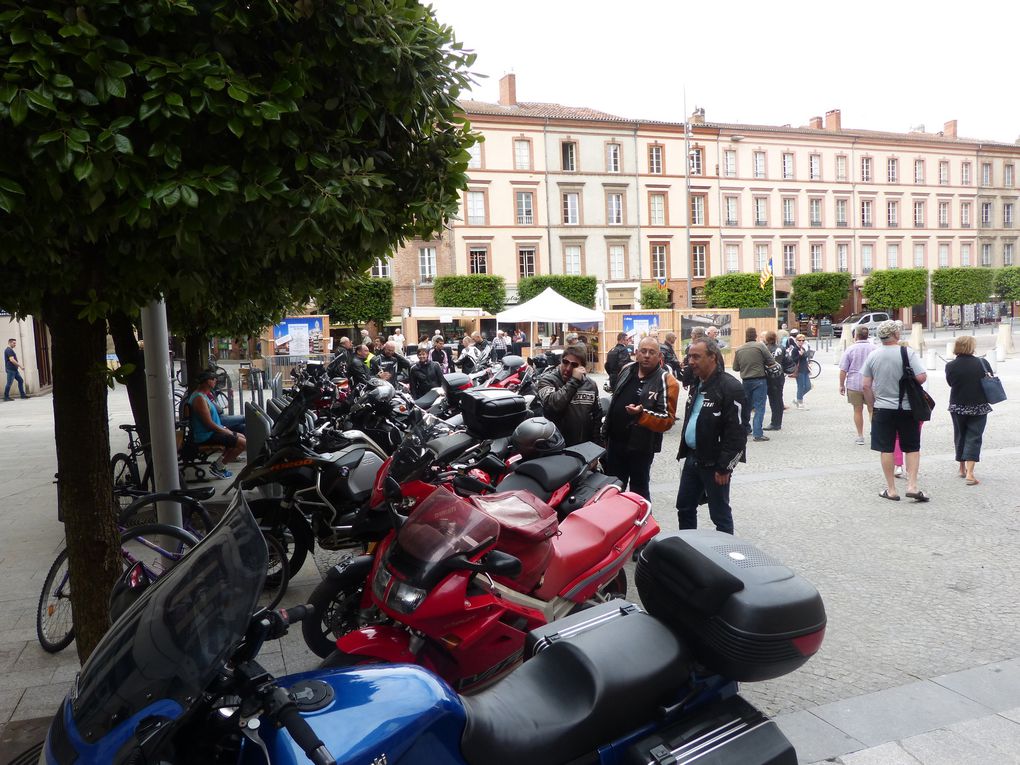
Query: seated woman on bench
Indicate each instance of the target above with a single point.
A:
(208, 430)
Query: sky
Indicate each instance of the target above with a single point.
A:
(891, 65)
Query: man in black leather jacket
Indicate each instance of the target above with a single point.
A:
(425, 375)
(713, 438)
(389, 365)
(570, 399)
(617, 358)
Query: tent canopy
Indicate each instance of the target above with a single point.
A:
(549, 306)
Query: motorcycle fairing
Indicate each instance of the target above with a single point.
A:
(107, 748)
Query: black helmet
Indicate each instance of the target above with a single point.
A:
(537, 437)
(379, 392)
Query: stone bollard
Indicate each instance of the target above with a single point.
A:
(930, 358)
(993, 362)
(917, 337)
(1005, 338)
(949, 349)
(1000, 353)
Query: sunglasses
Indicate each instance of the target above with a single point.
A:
(570, 364)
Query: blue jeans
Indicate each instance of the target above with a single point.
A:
(234, 422)
(755, 393)
(803, 383)
(968, 430)
(696, 481)
(11, 377)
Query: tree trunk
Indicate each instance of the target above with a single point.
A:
(196, 356)
(123, 332)
(85, 489)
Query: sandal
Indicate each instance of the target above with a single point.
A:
(884, 494)
(973, 481)
(918, 496)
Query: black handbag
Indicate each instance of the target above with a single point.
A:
(992, 385)
(921, 404)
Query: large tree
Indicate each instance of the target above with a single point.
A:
(896, 288)
(737, 291)
(218, 153)
(821, 293)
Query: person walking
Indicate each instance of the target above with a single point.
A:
(850, 364)
(880, 381)
(752, 360)
(617, 358)
(713, 439)
(12, 367)
(797, 354)
(642, 408)
(669, 355)
(968, 405)
(570, 399)
(776, 384)
(441, 355)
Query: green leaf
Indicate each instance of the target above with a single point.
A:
(11, 186)
(45, 138)
(188, 196)
(37, 98)
(96, 199)
(214, 83)
(174, 99)
(79, 135)
(172, 198)
(115, 87)
(118, 69)
(236, 126)
(237, 94)
(62, 81)
(19, 109)
(83, 169)
(20, 35)
(147, 109)
(7, 92)
(121, 122)
(123, 144)
(301, 162)
(87, 97)
(7, 203)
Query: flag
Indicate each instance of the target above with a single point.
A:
(766, 274)
(662, 284)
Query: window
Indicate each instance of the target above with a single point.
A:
(1007, 254)
(730, 163)
(761, 257)
(522, 154)
(892, 214)
(816, 258)
(525, 261)
(759, 164)
(918, 214)
(612, 157)
(943, 214)
(525, 208)
(1007, 175)
(815, 167)
(867, 251)
(614, 209)
(732, 258)
(841, 168)
(571, 208)
(842, 250)
(659, 261)
(986, 254)
(965, 214)
(789, 259)
(866, 220)
(964, 254)
(655, 159)
(572, 259)
(841, 208)
(943, 255)
(944, 173)
(476, 208)
(815, 210)
(731, 210)
(787, 165)
(761, 211)
(865, 169)
(697, 210)
(475, 156)
(1007, 215)
(617, 261)
(478, 260)
(657, 209)
(426, 264)
(789, 211)
(568, 156)
(965, 174)
(986, 173)
(918, 171)
(986, 213)
(892, 170)
(696, 163)
(381, 268)
(698, 261)
(918, 255)
(892, 255)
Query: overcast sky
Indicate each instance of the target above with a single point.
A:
(889, 65)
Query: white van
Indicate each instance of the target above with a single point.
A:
(869, 319)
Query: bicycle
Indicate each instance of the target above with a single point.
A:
(814, 368)
(129, 480)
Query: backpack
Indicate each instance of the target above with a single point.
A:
(786, 359)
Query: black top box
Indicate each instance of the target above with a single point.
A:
(492, 412)
(746, 615)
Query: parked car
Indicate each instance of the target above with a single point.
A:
(869, 319)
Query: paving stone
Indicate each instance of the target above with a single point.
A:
(9, 702)
(997, 685)
(815, 739)
(886, 754)
(995, 732)
(945, 747)
(40, 701)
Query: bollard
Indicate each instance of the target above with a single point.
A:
(949, 349)
(930, 358)
(1000, 353)
(993, 361)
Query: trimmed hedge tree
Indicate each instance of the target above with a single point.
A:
(821, 293)
(737, 291)
(357, 301)
(1007, 283)
(961, 286)
(471, 291)
(578, 289)
(896, 288)
(655, 298)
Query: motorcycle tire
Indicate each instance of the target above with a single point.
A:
(279, 523)
(337, 600)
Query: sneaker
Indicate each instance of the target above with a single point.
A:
(898, 472)
(761, 438)
(859, 440)
(221, 472)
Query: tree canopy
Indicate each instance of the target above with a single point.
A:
(483, 291)
(578, 289)
(655, 298)
(896, 288)
(818, 294)
(357, 301)
(737, 291)
(1007, 283)
(961, 286)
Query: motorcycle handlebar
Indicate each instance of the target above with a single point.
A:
(295, 614)
(301, 731)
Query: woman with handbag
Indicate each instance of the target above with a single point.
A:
(968, 405)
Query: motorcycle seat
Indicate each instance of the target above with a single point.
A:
(453, 445)
(428, 399)
(553, 471)
(576, 695)
(518, 482)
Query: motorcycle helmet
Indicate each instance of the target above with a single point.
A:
(379, 392)
(537, 437)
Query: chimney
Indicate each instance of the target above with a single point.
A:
(815, 123)
(949, 131)
(832, 121)
(697, 116)
(508, 90)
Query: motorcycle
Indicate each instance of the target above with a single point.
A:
(176, 679)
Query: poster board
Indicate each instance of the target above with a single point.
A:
(302, 336)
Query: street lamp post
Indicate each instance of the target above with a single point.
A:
(687, 215)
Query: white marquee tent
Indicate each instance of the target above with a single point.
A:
(549, 306)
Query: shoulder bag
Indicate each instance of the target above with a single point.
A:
(992, 385)
(921, 404)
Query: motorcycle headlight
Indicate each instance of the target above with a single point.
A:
(404, 598)
(380, 583)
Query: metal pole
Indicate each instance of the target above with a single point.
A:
(161, 411)
(687, 214)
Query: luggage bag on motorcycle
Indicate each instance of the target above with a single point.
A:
(526, 528)
(492, 412)
(746, 615)
(569, 627)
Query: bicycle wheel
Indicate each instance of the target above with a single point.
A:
(157, 546)
(814, 368)
(143, 511)
(126, 482)
(54, 622)
(277, 571)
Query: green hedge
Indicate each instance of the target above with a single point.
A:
(1007, 283)
(579, 289)
(655, 298)
(820, 293)
(471, 291)
(358, 301)
(962, 286)
(896, 288)
(737, 291)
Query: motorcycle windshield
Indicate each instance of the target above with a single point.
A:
(174, 639)
(443, 526)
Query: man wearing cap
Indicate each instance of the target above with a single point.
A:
(207, 427)
(880, 382)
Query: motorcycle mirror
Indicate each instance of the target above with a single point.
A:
(495, 562)
(129, 587)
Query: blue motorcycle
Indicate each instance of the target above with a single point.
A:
(176, 679)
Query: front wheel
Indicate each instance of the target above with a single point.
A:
(54, 624)
(337, 602)
(814, 368)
